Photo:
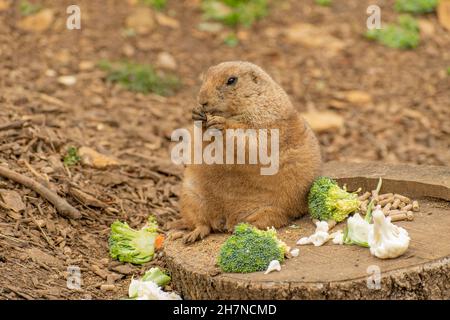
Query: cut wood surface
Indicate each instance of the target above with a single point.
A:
(333, 271)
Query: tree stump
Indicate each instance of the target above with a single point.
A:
(338, 271)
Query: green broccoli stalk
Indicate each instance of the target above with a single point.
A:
(129, 245)
(250, 250)
(326, 200)
(157, 276)
(368, 217)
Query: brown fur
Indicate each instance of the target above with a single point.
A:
(217, 197)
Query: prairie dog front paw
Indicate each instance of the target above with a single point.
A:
(198, 114)
(215, 122)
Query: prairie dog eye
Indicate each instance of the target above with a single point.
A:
(231, 80)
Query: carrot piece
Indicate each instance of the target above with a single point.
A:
(159, 241)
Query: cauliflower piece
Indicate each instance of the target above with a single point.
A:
(149, 290)
(357, 231)
(274, 265)
(338, 237)
(295, 252)
(386, 240)
(319, 237)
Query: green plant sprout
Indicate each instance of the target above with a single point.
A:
(324, 3)
(403, 35)
(140, 78)
(72, 157)
(231, 40)
(157, 4)
(27, 8)
(416, 6)
(235, 12)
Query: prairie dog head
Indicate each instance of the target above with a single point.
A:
(244, 92)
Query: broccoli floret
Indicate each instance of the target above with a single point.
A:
(129, 245)
(250, 250)
(326, 200)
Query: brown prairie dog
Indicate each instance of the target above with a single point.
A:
(215, 197)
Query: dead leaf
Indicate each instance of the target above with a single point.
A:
(38, 22)
(123, 269)
(86, 198)
(166, 61)
(443, 11)
(90, 157)
(13, 200)
(355, 97)
(313, 37)
(141, 20)
(67, 80)
(41, 257)
(167, 21)
(212, 27)
(4, 5)
(426, 28)
(109, 179)
(56, 163)
(86, 65)
(321, 121)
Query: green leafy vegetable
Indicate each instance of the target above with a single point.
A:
(416, 6)
(357, 231)
(404, 35)
(368, 217)
(134, 246)
(72, 157)
(157, 276)
(326, 200)
(250, 250)
(140, 77)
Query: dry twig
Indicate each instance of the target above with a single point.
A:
(61, 205)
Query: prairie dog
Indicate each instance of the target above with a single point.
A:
(215, 197)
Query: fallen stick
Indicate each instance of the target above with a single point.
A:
(12, 125)
(61, 205)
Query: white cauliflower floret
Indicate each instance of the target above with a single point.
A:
(387, 240)
(274, 265)
(295, 252)
(338, 237)
(358, 231)
(148, 290)
(319, 237)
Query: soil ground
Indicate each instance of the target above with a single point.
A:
(395, 107)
